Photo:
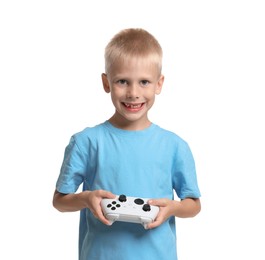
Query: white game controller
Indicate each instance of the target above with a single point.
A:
(129, 209)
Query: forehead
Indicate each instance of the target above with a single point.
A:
(137, 65)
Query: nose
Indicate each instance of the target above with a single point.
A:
(133, 91)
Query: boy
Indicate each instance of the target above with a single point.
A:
(128, 154)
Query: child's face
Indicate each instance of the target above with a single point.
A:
(133, 86)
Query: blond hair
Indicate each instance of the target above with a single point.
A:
(130, 43)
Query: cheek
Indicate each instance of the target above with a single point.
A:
(151, 94)
(116, 94)
(117, 91)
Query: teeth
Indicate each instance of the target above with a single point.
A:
(132, 106)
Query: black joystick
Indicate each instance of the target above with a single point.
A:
(122, 198)
(146, 207)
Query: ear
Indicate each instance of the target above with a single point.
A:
(105, 82)
(160, 84)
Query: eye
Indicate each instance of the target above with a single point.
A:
(122, 82)
(144, 82)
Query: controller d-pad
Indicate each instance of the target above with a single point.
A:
(139, 201)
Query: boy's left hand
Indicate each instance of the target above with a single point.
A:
(167, 208)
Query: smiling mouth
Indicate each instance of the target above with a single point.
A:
(129, 105)
(132, 106)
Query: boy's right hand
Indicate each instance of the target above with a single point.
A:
(93, 201)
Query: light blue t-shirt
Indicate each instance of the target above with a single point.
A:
(149, 163)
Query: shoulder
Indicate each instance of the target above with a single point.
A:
(87, 136)
(174, 143)
(170, 136)
(89, 132)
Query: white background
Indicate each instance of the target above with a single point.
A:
(51, 59)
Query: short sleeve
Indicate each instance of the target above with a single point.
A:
(73, 169)
(184, 173)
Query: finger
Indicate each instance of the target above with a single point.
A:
(157, 222)
(100, 216)
(154, 224)
(158, 202)
(110, 195)
(107, 194)
(105, 221)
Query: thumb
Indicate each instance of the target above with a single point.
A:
(109, 195)
(157, 202)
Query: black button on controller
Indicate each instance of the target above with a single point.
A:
(122, 198)
(146, 207)
(139, 201)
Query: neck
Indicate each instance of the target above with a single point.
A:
(129, 125)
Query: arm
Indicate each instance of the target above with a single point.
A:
(86, 199)
(185, 208)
